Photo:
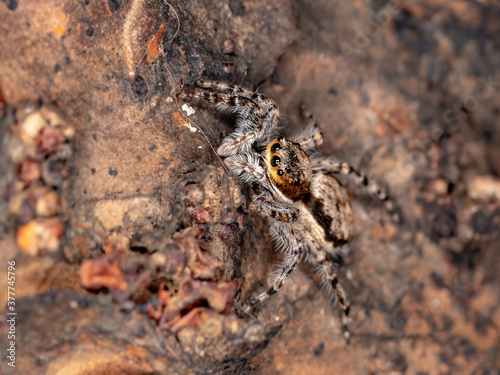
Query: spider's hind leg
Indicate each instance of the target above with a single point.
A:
(329, 275)
(330, 165)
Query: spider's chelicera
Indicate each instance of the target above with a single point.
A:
(308, 211)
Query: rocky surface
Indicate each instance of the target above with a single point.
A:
(156, 237)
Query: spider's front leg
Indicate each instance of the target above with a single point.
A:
(231, 102)
(261, 100)
(258, 114)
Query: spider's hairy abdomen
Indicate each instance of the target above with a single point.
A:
(329, 204)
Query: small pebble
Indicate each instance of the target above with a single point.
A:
(194, 195)
(484, 189)
(228, 47)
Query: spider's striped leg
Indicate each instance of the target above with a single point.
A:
(255, 125)
(262, 100)
(224, 87)
(248, 125)
(258, 118)
(221, 100)
(258, 114)
(329, 275)
(294, 254)
(311, 136)
(268, 114)
(329, 165)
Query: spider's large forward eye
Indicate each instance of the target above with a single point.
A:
(275, 161)
(275, 147)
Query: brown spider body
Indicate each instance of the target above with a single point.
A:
(307, 209)
(325, 214)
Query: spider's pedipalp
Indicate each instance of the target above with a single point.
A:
(237, 141)
(265, 205)
(247, 167)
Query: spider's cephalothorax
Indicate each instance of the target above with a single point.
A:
(288, 168)
(307, 209)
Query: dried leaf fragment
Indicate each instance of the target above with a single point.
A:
(203, 264)
(193, 299)
(116, 244)
(154, 45)
(102, 272)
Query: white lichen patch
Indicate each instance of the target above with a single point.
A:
(188, 110)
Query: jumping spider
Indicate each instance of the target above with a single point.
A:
(307, 209)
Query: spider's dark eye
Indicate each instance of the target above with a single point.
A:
(280, 139)
(275, 147)
(275, 161)
(280, 172)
